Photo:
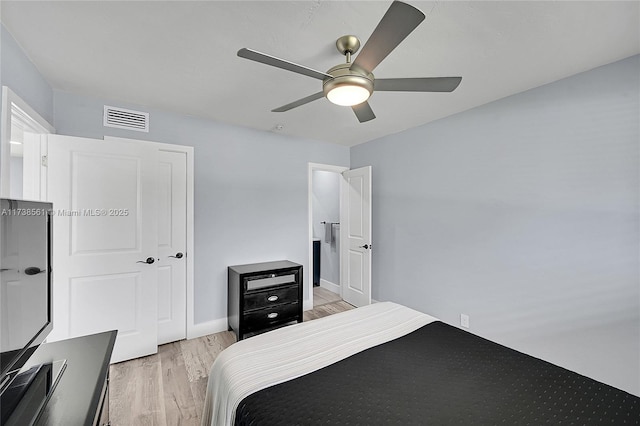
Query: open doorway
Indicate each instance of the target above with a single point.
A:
(324, 234)
(350, 236)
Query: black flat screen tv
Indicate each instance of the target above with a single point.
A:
(25, 282)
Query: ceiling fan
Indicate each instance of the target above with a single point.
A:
(352, 83)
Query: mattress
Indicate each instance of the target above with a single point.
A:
(289, 352)
(429, 373)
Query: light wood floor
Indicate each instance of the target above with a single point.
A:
(168, 388)
(322, 296)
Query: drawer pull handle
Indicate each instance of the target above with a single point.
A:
(272, 298)
(272, 315)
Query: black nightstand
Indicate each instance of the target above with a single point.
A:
(264, 296)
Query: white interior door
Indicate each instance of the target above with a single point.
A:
(104, 197)
(355, 228)
(172, 243)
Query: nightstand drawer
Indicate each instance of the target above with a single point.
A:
(276, 296)
(260, 282)
(264, 318)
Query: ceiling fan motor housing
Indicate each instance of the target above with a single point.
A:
(343, 75)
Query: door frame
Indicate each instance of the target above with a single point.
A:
(308, 303)
(13, 107)
(191, 331)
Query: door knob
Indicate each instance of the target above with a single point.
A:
(33, 270)
(149, 261)
(366, 246)
(178, 256)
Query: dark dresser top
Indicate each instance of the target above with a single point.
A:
(76, 397)
(264, 266)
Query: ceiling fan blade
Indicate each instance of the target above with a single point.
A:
(280, 63)
(363, 112)
(426, 84)
(394, 27)
(299, 102)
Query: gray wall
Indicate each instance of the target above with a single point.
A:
(326, 207)
(18, 73)
(250, 189)
(522, 213)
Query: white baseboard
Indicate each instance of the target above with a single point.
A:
(335, 288)
(374, 301)
(207, 327)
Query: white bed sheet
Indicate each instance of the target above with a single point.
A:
(289, 352)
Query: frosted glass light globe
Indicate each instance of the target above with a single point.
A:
(348, 95)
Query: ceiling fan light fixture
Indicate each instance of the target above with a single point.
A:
(347, 90)
(348, 95)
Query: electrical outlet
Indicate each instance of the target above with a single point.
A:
(464, 320)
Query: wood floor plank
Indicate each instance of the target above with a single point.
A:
(179, 402)
(122, 382)
(199, 391)
(141, 403)
(327, 309)
(149, 402)
(200, 353)
(322, 296)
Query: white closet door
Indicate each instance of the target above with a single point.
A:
(105, 229)
(172, 241)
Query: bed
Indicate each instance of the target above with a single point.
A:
(388, 364)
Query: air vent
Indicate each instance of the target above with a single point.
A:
(126, 119)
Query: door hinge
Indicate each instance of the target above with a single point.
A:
(45, 161)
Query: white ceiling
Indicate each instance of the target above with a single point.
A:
(181, 56)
